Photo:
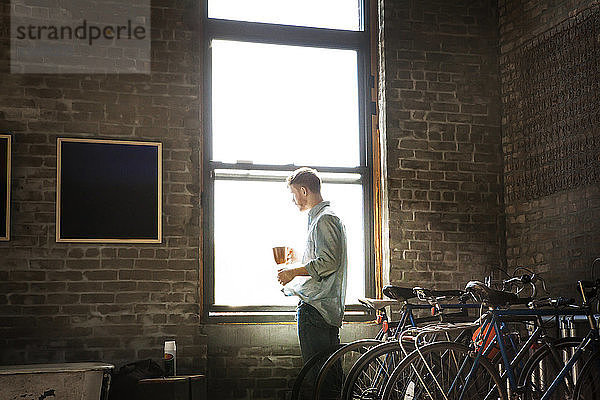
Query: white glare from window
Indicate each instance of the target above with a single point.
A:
(251, 217)
(279, 105)
(332, 14)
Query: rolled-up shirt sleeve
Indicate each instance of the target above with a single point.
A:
(328, 238)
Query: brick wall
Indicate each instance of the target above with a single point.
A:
(261, 361)
(252, 361)
(116, 303)
(443, 141)
(556, 234)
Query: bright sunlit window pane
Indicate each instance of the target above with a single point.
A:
(251, 217)
(332, 14)
(275, 104)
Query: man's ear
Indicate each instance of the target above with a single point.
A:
(304, 191)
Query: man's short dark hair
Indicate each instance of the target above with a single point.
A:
(307, 177)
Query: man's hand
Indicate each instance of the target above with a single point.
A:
(291, 256)
(284, 276)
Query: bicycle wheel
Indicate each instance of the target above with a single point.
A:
(333, 372)
(370, 372)
(588, 385)
(305, 381)
(545, 364)
(442, 370)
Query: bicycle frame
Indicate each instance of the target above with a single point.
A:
(408, 322)
(590, 338)
(408, 319)
(497, 316)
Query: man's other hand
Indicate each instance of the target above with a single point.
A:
(284, 276)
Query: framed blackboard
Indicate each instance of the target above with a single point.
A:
(5, 141)
(108, 191)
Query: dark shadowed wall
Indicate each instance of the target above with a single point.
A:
(551, 147)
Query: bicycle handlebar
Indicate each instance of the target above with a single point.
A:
(530, 279)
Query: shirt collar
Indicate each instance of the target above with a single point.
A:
(317, 209)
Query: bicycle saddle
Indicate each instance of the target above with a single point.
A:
(376, 304)
(493, 297)
(398, 293)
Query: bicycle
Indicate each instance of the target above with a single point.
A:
(370, 372)
(376, 366)
(453, 371)
(330, 379)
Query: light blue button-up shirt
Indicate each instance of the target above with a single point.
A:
(326, 260)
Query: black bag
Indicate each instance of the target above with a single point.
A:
(124, 382)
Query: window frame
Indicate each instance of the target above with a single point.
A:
(256, 32)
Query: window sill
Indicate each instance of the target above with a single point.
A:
(273, 317)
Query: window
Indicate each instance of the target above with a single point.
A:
(332, 14)
(284, 87)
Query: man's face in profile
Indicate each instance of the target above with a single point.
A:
(299, 197)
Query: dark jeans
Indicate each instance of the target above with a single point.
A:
(316, 335)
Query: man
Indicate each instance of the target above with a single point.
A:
(321, 307)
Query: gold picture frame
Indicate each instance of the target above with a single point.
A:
(108, 191)
(5, 149)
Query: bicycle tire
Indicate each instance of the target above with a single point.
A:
(443, 375)
(361, 381)
(544, 364)
(300, 383)
(330, 375)
(588, 385)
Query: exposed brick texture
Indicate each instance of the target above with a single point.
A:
(264, 372)
(116, 303)
(443, 141)
(557, 235)
(261, 361)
